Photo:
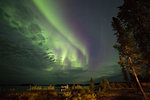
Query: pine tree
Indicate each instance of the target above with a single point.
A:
(104, 85)
(135, 15)
(92, 85)
(126, 24)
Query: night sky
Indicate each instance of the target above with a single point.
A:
(57, 41)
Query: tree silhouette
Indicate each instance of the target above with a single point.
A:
(104, 85)
(126, 25)
(135, 15)
(92, 86)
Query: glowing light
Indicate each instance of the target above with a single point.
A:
(65, 44)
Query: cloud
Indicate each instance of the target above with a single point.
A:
(33, 50)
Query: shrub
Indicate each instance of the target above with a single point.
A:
(104, 85)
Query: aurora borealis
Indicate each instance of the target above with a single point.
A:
(71, 45)
(57, 41)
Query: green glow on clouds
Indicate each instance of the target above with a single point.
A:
(59, 41)
(65, 41)
(30, 38)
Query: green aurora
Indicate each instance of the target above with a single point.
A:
(38, 45)
(70, 43)
(50, 40)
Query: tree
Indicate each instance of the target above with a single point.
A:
(129, 54)
(141, 30)
(132, 59)
(92, 85)
(135, 14)
(104, 85)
